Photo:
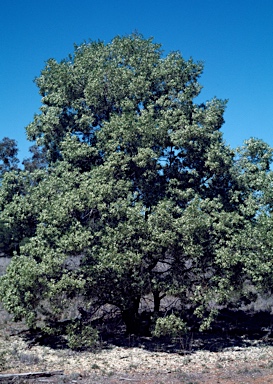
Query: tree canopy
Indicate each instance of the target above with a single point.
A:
(139, 194)
(8, 155)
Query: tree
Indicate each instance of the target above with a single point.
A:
(9, 240)
(8, 162)
(141, 196)
(38, 160)
(8, 155)
(253, 246)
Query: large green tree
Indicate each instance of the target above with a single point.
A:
(141, 196)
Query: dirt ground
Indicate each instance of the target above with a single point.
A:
(251, 365)
(222, 358)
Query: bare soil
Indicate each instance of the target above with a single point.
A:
(227, 355)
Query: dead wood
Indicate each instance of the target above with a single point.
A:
(28, 375)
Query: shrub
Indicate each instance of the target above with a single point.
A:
(81, 336)
(171, 325)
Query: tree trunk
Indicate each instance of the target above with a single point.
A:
(157, 300)
(130, 317)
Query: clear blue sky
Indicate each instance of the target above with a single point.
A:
(234, 38)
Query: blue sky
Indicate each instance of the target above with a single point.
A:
(234, 38)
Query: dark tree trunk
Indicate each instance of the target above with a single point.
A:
(157, 300)
(130, 317)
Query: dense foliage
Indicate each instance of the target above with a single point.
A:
(135, 193)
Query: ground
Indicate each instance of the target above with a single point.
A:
(226, 358)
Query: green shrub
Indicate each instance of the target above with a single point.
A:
(81, 336)
(171, 325)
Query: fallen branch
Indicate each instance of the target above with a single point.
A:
(29, 375)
